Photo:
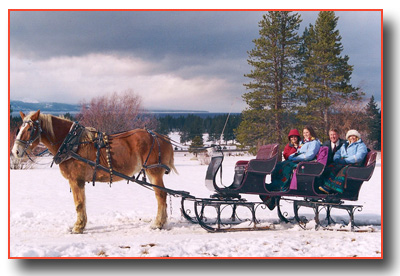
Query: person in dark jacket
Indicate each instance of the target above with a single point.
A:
(334, 143)
(293, 145)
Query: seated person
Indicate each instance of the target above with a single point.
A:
(293, 145)
(334, 143)
(283, 171)
(352, 153)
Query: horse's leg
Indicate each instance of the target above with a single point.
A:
(78, 191)
(161, 196)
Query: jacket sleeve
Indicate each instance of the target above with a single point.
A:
(358, 156)
(309, 154)
(288, 151)
(337, 158)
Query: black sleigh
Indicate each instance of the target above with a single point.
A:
(219, 212)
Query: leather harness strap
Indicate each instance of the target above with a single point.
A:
(70, 145)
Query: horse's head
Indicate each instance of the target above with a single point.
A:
(28, 135)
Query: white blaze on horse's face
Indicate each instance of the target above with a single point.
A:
(18, 149)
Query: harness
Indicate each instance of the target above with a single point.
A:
(159, 164)
(35, 127)
(70, 145)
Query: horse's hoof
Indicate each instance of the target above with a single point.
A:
(77, 230)
(156, 226)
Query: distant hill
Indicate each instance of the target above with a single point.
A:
(46, 107)
(62, 108)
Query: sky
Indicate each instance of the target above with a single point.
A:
(192, 60)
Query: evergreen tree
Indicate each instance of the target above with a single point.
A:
(273, 79)
(326, 74)
(374, 123)
(197, 145)
(232, 124)
(192, 127)
(216, 127)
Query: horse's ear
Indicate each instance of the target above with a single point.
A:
(35, 115)
(22, 115)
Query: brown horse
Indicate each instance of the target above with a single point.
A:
(128, 151)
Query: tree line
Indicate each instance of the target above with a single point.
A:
(123, 111)
(192, 125)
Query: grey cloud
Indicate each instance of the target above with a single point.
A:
(151, 33)
(187, 44)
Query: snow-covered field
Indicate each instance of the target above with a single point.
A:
(42, 215)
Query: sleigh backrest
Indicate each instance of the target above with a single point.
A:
(322, 155)
(370, 158)
(355, 176)
(311, 169)
(267, 151)
(265, 161)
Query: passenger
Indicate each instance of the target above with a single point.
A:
(293, 145)
(309, 147)
(282, 174)
(352, 153)
(334, 143)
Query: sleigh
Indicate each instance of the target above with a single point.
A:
(250, 179)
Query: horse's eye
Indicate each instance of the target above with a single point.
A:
(17, 132)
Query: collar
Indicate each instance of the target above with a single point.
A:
(337, 143)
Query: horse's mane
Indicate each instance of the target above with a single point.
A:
(47, 123)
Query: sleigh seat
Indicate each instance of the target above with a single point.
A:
(307, 171)
(258, 168)
(356, 176)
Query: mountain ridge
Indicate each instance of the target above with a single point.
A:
(61, 108)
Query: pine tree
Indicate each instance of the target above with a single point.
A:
(192, 127)
(374, 123)
(326, 74)
(197, 145)
(273, 79)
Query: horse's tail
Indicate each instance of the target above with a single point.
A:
(172, 167)
(171, 164)
(170, 150)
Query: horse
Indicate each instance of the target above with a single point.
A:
(128, 152)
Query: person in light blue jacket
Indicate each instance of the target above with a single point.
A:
(309, 147)
(307, 151)
(351, 153)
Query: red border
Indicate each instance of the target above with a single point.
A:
(382, 133)
(381, 10)
(8, 144)
(9, 92)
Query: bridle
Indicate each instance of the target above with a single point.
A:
(35, 133)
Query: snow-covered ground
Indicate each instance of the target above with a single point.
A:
(42, 215)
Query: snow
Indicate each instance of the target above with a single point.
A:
(42, 214)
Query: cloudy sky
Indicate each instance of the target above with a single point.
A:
(174, 59)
